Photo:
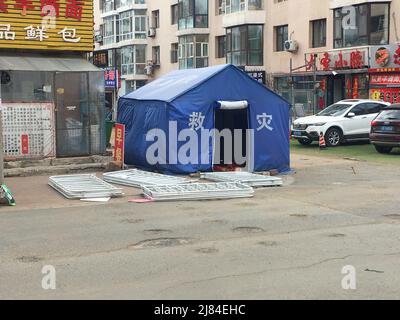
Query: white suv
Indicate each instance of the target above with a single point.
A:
(347, 120)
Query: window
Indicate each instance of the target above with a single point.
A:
(109, 33)
(372, 108)
(174, 14)
(132, 85)
(156, 55)
(282, 36)
(155, 17)
(107, 5)
(220, 47)
(125, 3)
(318, 29)
(244, 45)
(193, 51)
(132, 59)
(192, 14)
(174, 52)
(232, 6)
(132, 25)
(370, 25)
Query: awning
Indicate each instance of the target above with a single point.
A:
(42, 63)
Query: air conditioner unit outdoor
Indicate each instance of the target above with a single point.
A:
(149, 70)
(151, 33)
(291, 46)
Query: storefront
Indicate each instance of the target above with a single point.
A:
(52, 98)
(385, 73)
(341, 74)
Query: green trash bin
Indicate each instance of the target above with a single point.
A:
(109, 127)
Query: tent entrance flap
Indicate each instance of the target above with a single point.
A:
(233, 105)
(230, 143)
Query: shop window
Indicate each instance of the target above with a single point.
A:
(25, 86)
(366, 24)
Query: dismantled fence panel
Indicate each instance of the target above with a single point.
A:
(198, 191)
(251, 179)
(83, 186)
(138, 178)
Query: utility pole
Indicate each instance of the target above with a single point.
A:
(315, 99)
(291, 83)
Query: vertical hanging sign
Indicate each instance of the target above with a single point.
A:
(119, 145)
(24, 144)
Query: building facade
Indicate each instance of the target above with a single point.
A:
(314, 53)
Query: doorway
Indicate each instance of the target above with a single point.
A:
(338, 88)
(232, 152)
(72, 114)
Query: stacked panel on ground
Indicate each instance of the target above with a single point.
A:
(198, 191)
(83, 186)
(138, 178)
(250, 179)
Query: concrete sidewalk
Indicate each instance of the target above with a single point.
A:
(35, 193)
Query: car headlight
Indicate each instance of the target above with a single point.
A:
(320, 124)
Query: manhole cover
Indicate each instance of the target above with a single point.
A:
(248, 230)
(162, 243)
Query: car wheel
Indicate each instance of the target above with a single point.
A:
(385, 150)
(305, 142)
(333, 137)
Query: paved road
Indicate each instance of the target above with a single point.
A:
(289, 243)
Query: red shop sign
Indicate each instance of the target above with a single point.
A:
(385, 79)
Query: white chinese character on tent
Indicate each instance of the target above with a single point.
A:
(196, 121)
(264, 121)
(38, 33)
(6, 33)
(69, 35)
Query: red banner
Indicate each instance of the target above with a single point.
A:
(387, 79)
(24, 144)
(391, 95)
(119, 145)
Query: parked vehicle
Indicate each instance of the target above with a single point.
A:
(347, 120)
(385, 129)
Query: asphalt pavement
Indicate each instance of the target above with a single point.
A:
(286, 243)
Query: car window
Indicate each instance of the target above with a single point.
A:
(372, 108)
(359, 110)
(334, 110)
(389, 115)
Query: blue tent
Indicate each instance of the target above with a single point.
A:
(197, 101)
